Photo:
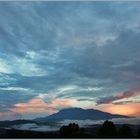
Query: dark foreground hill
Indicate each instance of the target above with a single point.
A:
(15, 122)
(79, 114)
(106, 130)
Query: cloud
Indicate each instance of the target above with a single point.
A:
(70, 91)
(15, 89)
(37, 106)
(73, 50)
(125, 102)
(122, 95)
(129, 109)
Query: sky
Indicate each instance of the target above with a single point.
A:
(56, 55)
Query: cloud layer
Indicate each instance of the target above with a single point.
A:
(64, 51)
(36, 106)
(119, 96)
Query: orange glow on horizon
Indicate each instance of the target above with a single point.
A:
(37, 105)
(131, 109)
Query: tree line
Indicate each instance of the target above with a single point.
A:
(106, 130)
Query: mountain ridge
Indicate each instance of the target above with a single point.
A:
(79, 114)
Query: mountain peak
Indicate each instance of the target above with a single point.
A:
(71, 109)
(80, 114)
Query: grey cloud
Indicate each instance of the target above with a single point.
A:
(123, 95)
(125, 102)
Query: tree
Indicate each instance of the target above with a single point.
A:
(69, 130)
(108, 129)
(125, 132)
(138, 133)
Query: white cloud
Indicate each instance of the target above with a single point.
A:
(67, 92)
(4, 67)
(31, 54)
(15, 89)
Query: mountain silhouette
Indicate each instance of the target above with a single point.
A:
(15, 122)
(79, 114)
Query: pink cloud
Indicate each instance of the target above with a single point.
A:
(118, 96)
(37, 105)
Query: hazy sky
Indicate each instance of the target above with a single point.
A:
(55, 55)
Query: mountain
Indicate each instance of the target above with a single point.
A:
(10, 123)
(79, 114)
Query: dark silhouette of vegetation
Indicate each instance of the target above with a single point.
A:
(71, 129)
(138, 133)
(125, 132)
(108, 130)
